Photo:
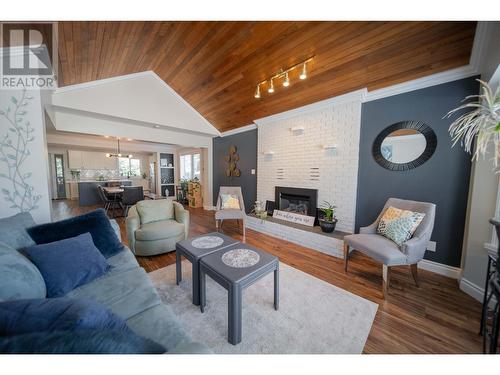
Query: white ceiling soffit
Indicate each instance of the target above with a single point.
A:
(143, 97)
(75, 121)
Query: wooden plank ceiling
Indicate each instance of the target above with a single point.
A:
(215, 66)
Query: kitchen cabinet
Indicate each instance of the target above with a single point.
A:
(75, 159)
(73, 190)
(90, 160)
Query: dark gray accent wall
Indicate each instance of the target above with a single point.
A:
(443, 179)
(246, 144)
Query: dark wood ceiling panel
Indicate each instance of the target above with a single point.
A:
(215, 66)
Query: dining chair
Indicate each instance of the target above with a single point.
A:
(131, 195)
(108, 201)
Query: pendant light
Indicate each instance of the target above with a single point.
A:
(118, 153)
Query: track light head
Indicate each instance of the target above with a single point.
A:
(303, 74)
(286, 82)
(257, 92)
(270, 90)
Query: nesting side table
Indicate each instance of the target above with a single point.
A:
(193, 249)
(235, 268)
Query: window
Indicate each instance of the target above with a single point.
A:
(129, 167)
(190, 166)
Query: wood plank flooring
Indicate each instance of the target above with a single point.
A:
(436, 317)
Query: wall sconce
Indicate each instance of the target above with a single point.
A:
(297, 130)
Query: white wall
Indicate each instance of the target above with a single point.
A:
(23, 163)
(297, 155)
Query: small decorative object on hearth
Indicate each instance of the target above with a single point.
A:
(328, 221)
(259, 210)
(231, 159)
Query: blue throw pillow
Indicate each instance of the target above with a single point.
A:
(96, 223)
(55, 314)
(13, 230)
(68, 263)
(86, 341)
(19, 278)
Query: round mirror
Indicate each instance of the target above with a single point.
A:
(404, 145)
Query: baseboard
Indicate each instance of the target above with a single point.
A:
(475, 291)
(441, 269)
(471, 289)
(209, 208)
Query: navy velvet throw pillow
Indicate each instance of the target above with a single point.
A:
(55, 314)
(86, 341)
(67, 264)
(96, 223)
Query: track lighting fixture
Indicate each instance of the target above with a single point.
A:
(283, 74)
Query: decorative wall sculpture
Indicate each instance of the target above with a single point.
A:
(14, 150)
(231, 160)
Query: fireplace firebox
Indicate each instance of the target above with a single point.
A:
(297, 200)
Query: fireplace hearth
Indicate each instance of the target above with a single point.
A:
(297, 200)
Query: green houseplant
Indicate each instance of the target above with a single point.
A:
(328, 221)
(481, 122)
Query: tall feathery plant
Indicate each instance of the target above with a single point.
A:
(482, 121)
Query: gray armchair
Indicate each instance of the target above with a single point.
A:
(155, 226)
(235, 214)
(385, 251)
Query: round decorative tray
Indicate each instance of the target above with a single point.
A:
(207, 242)
(240, 258)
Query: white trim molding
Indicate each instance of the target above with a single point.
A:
(471, 289)
(441, 269)
(354, 96)
(241, 129)
(475, 291)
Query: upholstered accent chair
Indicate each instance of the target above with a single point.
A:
(237, 214)
(155, 226)
(385, 251)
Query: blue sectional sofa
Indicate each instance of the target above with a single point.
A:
(126, 290)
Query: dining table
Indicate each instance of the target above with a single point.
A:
(113, 190)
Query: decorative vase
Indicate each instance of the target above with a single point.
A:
(327, 226)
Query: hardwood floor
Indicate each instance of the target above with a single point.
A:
(436, 317)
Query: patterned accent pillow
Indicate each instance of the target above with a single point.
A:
(230, 201)
(399, 225)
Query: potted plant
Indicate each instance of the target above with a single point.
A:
(328, 221)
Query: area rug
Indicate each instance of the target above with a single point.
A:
(313, 317)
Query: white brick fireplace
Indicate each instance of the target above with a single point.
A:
(315, 147)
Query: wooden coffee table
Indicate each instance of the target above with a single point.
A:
(235, 268)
